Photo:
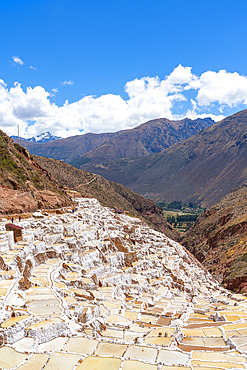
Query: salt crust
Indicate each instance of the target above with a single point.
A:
(98, 290)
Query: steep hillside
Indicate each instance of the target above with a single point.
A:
(201, 169)
(24, 184)
(30, 182)
(219, 239)
(67, 149)
(149, 138)
(108, 193)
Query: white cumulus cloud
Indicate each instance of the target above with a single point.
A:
(17, 60)
(223, 87)
(148, 98)
(3, 83)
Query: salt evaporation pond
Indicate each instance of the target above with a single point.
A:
(98, 290)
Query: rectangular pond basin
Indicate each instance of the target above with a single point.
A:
(100, 363)
(35, 362)
(62, 361)
(13, 320)
(81, 345)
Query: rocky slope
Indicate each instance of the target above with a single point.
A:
(30, 182)
(147, 138)
(108, 193)
(201, 169)
(24, 185)
(219, 239)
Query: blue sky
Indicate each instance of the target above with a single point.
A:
(107, 61)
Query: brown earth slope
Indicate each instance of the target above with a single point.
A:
(28, 183)
(147, 138)
(108, 193)
(24, 185)
(201, 169)
(219, 239)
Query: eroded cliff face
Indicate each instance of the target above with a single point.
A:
(219, 239)
(92, 289)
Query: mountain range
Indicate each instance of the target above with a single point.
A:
(67, 149)
(45, 137)
(201, 169)
(195, 161)
(148, 138)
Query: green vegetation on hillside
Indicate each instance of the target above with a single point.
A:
(181, 215)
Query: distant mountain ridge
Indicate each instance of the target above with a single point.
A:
(147, 138)
(201, 169)
(45, 137)
(69, 148)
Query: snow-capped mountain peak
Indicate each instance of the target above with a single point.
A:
(45, 137)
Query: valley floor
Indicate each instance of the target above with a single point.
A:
(97, 290)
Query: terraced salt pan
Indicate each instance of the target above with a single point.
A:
(6, 283)
(62, 361)
(216, 364)
(45, 310)
(40, 280)
(113, 333)
(119, 320)
(10, 358)
(136, 365)
(36, 361)
(24, 344)
(43, 302)
(44, 323)
(39, 297)
(83, 346)
(142, 316)
(3, 291)
(13, 321)
(102, 363)
(170, 357)
(142, 353)
(111, 349)
(53, 345)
